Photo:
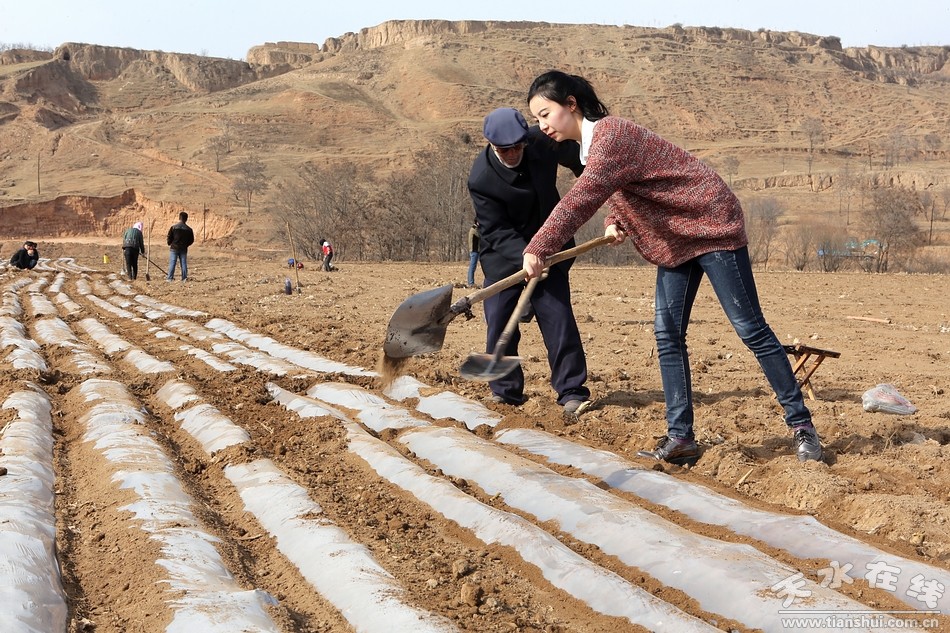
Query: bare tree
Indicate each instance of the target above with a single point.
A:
(251, 180)
(326, 203)
(226, 136)
(814, 132)
(845, 183)
(730, 165)
(762, 216)
(890, 221)
(894, 146)
(932, 142)
(831, 243)
(799, 245)
(441, 196)
(928, 204)
(218, 145)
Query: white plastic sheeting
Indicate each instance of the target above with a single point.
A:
(69, 264)
(802, 536)
(31, 591)
(108, 307)
(258, 360)
(146, 363)
(25, 352)
(339, 568)
(207, 358)
(113, 344)
(177, 394)
(103, 336)
(373, 411)
(444, 405)
(55, 332)
(210, 600)
(193, 330)
(213, 430)
(167, 307)
(302, 406)
(58, 282)
(307, 360)
(734, 580)
(40, 305)
(70, 306)
(601, 589)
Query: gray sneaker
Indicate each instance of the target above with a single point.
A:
(807, 444)
(674, 451)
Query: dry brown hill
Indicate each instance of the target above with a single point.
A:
(90, 120)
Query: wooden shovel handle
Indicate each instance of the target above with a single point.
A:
(513, 321)
(480, 295)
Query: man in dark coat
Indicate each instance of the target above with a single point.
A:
(27, 257)
(513, 185)
(180, 237)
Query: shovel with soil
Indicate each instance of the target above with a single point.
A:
(419, 324)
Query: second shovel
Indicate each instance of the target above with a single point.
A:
(488, 367)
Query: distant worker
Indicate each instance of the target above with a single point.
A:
(327, 249)
(27, 257)
(473, 243)
(180, 237)
(133, 245)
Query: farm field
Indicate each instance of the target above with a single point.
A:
(219, 454)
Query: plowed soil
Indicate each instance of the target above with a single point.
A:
(884, 480)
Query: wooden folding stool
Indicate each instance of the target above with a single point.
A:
(801, 367)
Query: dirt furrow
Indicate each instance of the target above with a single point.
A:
(231, 357)
(451, 564)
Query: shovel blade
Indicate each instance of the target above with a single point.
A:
(485, 367)
(418, 325)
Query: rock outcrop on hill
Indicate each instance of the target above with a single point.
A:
(88, 121)
(196, 73)
(878, 63)
(105, 216)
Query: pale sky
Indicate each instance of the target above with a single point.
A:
(228, 29)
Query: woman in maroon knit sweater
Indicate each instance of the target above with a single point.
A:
(682, 217)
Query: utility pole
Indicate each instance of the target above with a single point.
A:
(204, 223)
(37, 173)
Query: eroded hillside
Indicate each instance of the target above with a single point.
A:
(96, 121)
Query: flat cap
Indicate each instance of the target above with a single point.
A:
(505, 126)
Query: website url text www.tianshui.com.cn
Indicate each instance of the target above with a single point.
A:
(884, 621)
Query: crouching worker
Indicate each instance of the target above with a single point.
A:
(27, 257)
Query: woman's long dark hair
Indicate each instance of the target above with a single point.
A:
(557, 86)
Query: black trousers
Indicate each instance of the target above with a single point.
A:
(554, 315)
(131, 262)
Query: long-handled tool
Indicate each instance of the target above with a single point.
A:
(488, 367)
(293, 252)
(156, 265)
(148, 251)
(419, 323)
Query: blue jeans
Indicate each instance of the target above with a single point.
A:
(472, 263)
(730, 273)
(173, 258)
